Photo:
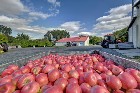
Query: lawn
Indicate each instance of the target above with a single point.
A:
(137, 58)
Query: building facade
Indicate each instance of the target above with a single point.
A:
(78, 41)
(134, 26)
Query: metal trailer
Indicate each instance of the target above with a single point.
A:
(127, 63)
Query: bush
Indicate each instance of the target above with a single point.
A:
(3, 38)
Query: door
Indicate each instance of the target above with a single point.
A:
(137, 36)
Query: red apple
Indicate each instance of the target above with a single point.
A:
(128, 81)
(85, 87)
(64, 74)
(118, 91)
(16, 73)
(99, 67)
(24, 80)
(53, 75)
(102, 83)
(7, 87)
(133, 91)
(47, 68)
(53, 89)
(6, 79)
(42, 79)
(25, 69)
(13, 67)
(98, 89)
(32, 87)
(36, 70)
(66, 67)
(135, 74)
(61, 82)
(44, 88)
(7, 72)
(15, 79)
(116, 70)
(113, 85)
(90, 78)
(73, 88)
(17, 91)
(74, 74)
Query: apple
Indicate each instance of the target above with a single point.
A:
(116, 70)
(15, 79)
(42, 79)
(73, 88)
(36, 70)
(47, 68)
(7, 72)
(25, 69)
(116, 85)
(8, 87)
(53, 89)
(32, 87)
(6, 79)
(133, 91)
(44, 88)
(135, 74)
(85, 87)
(98, 89)
(17, 91)
(128, 81)
(62, 82)
(73, 80)
(64, 74)
(16, 73)
(25, 79)
(53, 75)
(90, 78)
(74, 74)
(102, 83)
(13, 67)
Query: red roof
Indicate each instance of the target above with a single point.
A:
(74, 39)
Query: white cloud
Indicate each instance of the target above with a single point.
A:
(124, 9)
(12, 7)
(84, 33)
(71, 26)
(54, 2)
(12, 15)
(40, 15)
(118, 18)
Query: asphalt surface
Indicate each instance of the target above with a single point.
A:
(15, 54)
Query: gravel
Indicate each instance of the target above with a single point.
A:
(15, 54)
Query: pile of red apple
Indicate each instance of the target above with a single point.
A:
(70, 74)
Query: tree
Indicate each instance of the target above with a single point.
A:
(5, 30)
(122, 35)
(3, 38)
(11, 39)
(94, 39)
(56, 34)
(22, 37)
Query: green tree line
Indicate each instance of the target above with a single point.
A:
(24, 40)
(121, 35)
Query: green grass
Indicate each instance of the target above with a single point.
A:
(137, 58)
(1, 52)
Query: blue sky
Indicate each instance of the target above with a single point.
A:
(93, 17)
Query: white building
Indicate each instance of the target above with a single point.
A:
(79, 41)
(134, 26)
